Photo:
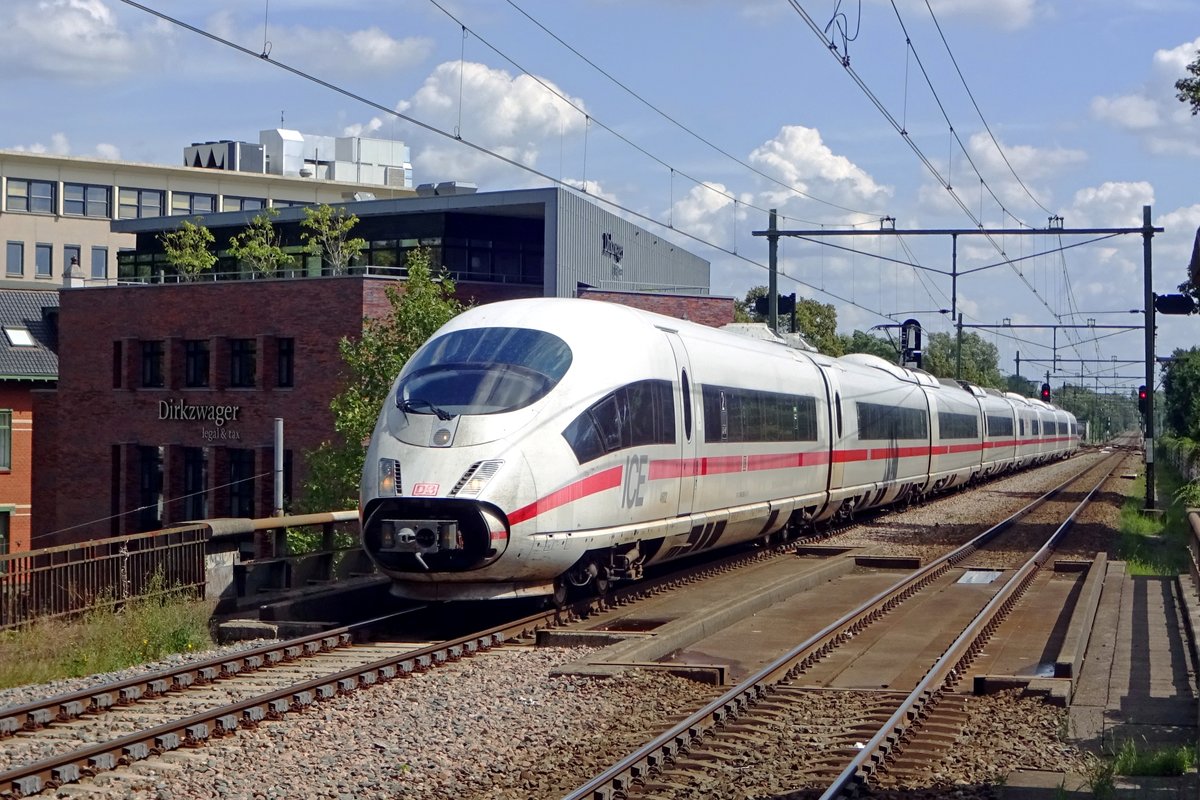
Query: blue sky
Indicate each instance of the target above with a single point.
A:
(710, 113)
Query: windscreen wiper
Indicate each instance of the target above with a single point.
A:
(414, 404)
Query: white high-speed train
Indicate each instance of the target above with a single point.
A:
(532, 445)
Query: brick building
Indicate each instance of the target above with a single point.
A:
(27, 363)
(168, 392)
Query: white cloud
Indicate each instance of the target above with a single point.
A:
(60, 146)
(1132, 111)
(516, 117)
(374, 125)
(798, 158)
(1176, 60)
(77, 40)
(341, 52)
(706, 211)
(1154, 112)
(1111, 204)
(1031, 164)
(595, 190)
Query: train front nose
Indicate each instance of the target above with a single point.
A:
(409, 534)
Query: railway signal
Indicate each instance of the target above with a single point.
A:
(1046, 392)
(1142, 399)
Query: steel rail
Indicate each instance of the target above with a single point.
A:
(955, 659)
(98, 699)
(650, 757)
(72, 766)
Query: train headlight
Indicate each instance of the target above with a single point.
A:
(441, 437)
(389, 477)
(476, 478)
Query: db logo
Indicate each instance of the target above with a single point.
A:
(425, 489)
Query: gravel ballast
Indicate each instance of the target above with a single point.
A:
(498, 725)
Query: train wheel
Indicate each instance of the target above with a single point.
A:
(602, 582)
(559, 598)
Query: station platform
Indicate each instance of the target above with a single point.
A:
(1136, 685)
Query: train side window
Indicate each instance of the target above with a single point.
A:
(686, 389)
(733, 414)
(999, 426)
(584, 438)
(638, 414)
(837, 400)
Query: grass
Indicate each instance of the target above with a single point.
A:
(1130, 760)
(1156, 544)
(145, 629)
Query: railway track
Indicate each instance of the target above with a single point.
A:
(112, 726)
(811, 721)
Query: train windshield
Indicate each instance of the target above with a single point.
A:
(483, 371)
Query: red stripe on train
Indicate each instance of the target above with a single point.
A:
(601, 481)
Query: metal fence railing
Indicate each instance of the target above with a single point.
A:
(70, 579)
(223, 560)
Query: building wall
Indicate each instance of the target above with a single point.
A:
(100, 417)
(705, 310)
(15, 489)
(607, 252)
(59, 230)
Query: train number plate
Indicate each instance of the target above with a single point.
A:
(425, 489)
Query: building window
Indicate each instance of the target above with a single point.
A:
(195, 363)
(195, 483)
(152, 364)
(150, 486)
(229, 203)
(241, 483)
(43, 260)
(99, 263)
(287, 361)
(72, 252)
(5, 541)
(241, 363)
(15, 259)
(138, 203)
(36, 197)
(6, 439)
(85, 200)
(192, 203)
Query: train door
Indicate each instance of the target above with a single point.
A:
(688, 423)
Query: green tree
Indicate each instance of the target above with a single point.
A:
(259, 245)
(980, 359)
(1181, 393)
(189, 249)
(1189, 88)
(372, 363)
(1020, 385)
(860, 342)
(816, 322)
(327, 234)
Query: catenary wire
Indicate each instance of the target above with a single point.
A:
(715, 147)
(473, 145)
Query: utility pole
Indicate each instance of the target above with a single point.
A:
(1148, 291)
(958, 349)
(772, 279)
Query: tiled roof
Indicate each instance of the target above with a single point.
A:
(31, 310)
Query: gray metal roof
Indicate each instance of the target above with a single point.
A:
(32, 310)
